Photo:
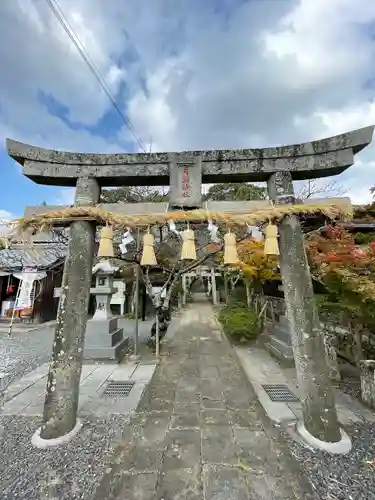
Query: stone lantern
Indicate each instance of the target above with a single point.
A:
(104, 339)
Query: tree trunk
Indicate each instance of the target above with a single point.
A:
(226, 292)
(61, 403)
(317, 397)
(144, 303)
(133, 298)
(248, 295)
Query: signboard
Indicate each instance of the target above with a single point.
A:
(186, 184)
(27, 278)
(24, 299)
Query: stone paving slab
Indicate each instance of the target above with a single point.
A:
(199, 431)
(26, 396)
(261, 368)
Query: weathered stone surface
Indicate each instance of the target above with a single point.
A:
(185, 420)
(138, 487)
(183, 449)
(185, 183)
(321, 158)
(368, 382)
(330, 346)
(356, 139)
(61, 404)
(218, 445)
(179, 483)
(215, 417)
(319, 413)
(223, 483)
(320, 165)
(280, 341)
(196, 453)
(254, 447)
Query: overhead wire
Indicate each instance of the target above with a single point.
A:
(60, 16)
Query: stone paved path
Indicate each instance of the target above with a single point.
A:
(199, 432)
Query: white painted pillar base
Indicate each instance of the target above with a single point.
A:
(341, 447)
(39, 442)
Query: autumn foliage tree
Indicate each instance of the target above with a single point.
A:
(348, 274)
(255, 268)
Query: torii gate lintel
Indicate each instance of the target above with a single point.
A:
(186, 172)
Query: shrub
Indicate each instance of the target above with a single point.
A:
(364, 238)
(237, 298)
(240, 323)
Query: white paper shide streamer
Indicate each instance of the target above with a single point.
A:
(127, 238)
(255, 233)
(213, 230)
(172, 228)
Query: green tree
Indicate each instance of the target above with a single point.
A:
(133, 194)
(235, 191)
(217, 192)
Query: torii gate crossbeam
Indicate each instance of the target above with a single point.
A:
(185, 172)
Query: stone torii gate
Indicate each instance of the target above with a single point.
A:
(185, 172)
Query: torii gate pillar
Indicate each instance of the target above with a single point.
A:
(316, 393)
(61, 403)
(185, 171)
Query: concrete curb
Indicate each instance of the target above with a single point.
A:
(341, 447)
(276, 412)
(39, 442)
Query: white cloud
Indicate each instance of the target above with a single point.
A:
(269, 73)
(322, 40)
(5, 218)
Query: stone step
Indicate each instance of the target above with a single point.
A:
(102, 326)
(280, 349)
(114, 353)
(114, 338)
(103, 339)
(282, 334)
(284, 322)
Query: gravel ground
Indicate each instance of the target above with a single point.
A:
(76, 468)
(73, 471)
(351, 386)
(24, 351)
(341, 477)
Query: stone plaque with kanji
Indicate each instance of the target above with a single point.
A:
(186, 184)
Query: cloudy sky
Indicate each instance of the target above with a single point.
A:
(189, 74)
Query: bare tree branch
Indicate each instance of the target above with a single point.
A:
(312, 188)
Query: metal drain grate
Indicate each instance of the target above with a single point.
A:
(280, 393)
(117, 389)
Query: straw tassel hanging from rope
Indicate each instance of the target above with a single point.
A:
(271, 245)
(230, 248)
(188, 251)
(106, 243)
(148, 254)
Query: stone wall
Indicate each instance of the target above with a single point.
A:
(345, 342)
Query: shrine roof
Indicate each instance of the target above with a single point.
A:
(40, 257)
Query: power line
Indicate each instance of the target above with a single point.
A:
(56, 9)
